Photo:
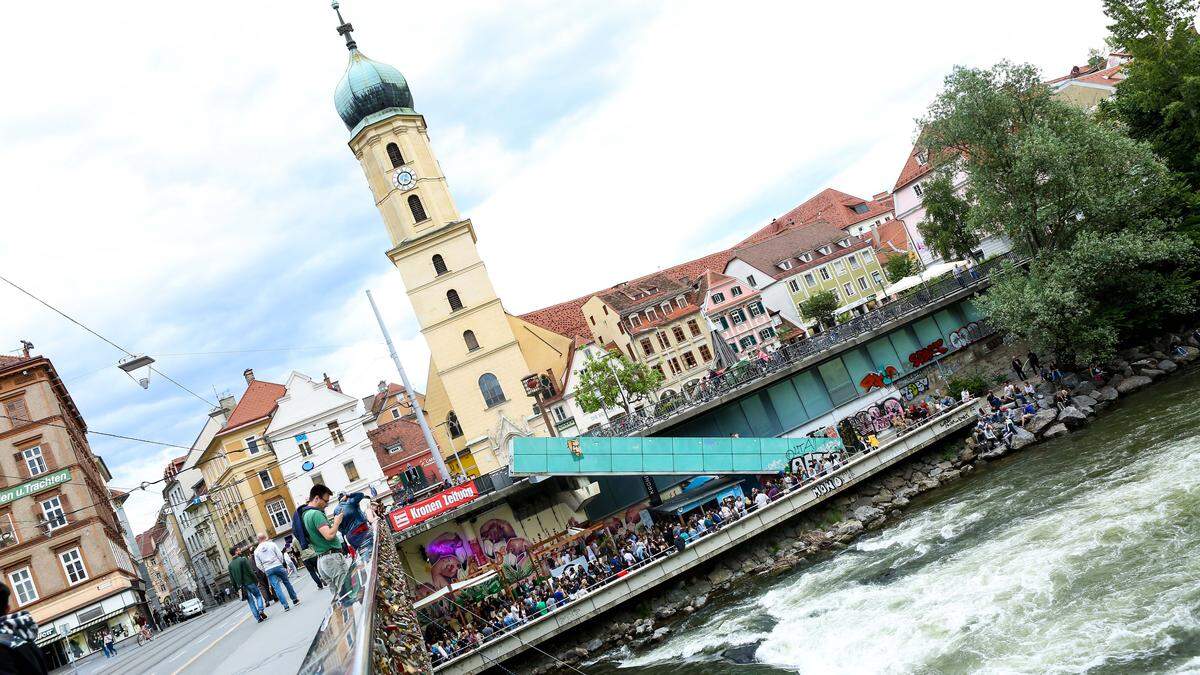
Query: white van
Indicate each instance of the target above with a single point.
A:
(191, 607)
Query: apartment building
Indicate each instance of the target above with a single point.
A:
(62, 549)
(656, 320)
(736, 312)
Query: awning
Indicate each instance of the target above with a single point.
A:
(55, 636)
(692, 499)
(461, 585)
(928, 274)
(851, 305)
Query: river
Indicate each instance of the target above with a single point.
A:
(1080, 554)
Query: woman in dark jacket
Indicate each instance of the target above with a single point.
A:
(19, 655)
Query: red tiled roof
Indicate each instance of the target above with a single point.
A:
(912, 169)
(1109, 77)
(10, 360)
(259, 401)
(405, 432)
(566, 318)
(766, 254)
(174, 466)
(894, 233)
(832, 206)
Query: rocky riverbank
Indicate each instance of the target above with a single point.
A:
(825, 530)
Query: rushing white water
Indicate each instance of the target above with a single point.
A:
(1078, 555)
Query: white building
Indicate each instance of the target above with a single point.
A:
(568, 417)
(318, 436)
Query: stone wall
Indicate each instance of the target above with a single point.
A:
(822, 532)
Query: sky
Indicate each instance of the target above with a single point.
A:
(176, 178)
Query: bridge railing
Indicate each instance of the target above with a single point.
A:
(748, 372)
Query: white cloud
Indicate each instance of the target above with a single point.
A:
(175, 175)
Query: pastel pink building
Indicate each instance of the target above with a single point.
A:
(737, 314)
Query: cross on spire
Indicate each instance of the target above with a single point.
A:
(344, 27)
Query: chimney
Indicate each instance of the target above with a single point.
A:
(880, 196)
(381, 387)
(875, 234)
(26, 347)
(328, 382)
(248, 374)
(227, 404)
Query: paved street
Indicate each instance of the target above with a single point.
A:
(224, 640)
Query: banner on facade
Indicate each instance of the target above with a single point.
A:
(407, 516)
(34, 486)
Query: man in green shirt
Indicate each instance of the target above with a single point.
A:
(323, 536)
(241, 575)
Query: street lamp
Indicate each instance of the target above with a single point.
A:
(137, 367)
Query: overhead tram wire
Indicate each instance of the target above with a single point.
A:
(110, 342)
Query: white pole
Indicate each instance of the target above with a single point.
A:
(433, 446)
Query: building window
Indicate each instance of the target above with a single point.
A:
(304, 446)
(335, 432)
(662, 339)
(748, 341)
(689, 360)
(733, 347)
(651, 315)
(825, 273)
(917, 189)
(264, 477)
(278, 511)
(750, 280)
(252, 445)
(766, 333)
(693, 327)
(785, 265)
(658, 368)
(877, 278)
(922, 158)
(418, 209)
(737, 316)
(862, 283)
(72, 562)
(810, 280)
(453, 299)
(469, 338)
(22, 585)
(635, 320)
(735, 291)
(678, 333)
(853, 262)
(756, 308)
(351, 471)
(718, 298)
(848, 289)
(705, 354)
(395, 413)
(439, 264)
(393, 152)
(489, 386)
(793, 286)
(839, 266)
(724, 322)
(53, 513)
(16, 412)
(647, 346)
(674, 363)
(34, 460)
(560, 415)
(318, 479)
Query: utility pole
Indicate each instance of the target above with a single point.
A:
(433, 446)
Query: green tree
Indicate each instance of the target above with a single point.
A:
(899, 266)
(1039, 170)
(1159, 100)
(1106, 288)
(603, 379)
(819, 307)
(946, 227)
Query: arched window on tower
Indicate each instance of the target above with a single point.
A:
(393, 151)
(439, 264)
(469, 338)
(452, 425)
(489, 386)
(417, 208)
(452, 298)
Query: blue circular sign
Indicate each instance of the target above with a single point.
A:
(308, 466)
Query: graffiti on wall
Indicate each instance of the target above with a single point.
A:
(501, 544)
(878, 379)
(927, 353)
(877, 417)
(966, 335)
(914, 389)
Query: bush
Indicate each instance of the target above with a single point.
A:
(972, 382)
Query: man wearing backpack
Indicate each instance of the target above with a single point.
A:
(322, 535)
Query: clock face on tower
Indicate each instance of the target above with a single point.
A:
(404, 178)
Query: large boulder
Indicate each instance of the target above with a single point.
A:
(1054, 431)
(1021, 438)
(660, 634)
(1105, 394)
(850, 527)
(885, 495)
(995, 453)
(1072, 417)
(1167, 366)
(1132, 384)
(864, 514)
(1041, 420)
(1070, 380)
(1084, 401)
(1153, 373)
(1084, 387)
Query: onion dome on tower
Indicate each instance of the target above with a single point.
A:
(368, 87)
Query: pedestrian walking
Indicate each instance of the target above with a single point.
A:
(308, 557)
(322, 534)
(270, 560)
(1018, 368)
(110, 647)
(19, 652)
(264, 584)
(289, 555)
(1034, 364)
(241, 575)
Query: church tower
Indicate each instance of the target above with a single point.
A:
(476, 358)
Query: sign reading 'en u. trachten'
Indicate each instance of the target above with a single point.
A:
(34, 486)
(407, 516)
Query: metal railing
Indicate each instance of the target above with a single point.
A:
(343, 642)
(746, 373)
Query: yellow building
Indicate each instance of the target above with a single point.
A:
(479, 353)
(246, 491)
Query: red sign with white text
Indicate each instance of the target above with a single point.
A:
(447, 500)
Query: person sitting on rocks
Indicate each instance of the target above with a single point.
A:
(1062, 399)
(965, 396)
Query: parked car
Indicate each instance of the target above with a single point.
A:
(191, 607)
